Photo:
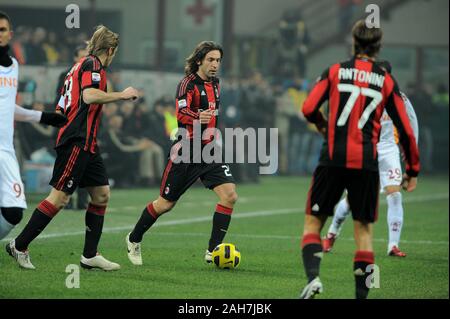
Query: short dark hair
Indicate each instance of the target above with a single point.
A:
(367, 40)
(6, 17)
(202, 49)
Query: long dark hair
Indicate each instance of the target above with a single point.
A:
(202, 49)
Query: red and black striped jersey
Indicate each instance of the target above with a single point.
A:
(195, 95)
(358, 91)
(83, 119)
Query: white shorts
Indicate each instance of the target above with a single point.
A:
(11, 186)
(390, 168)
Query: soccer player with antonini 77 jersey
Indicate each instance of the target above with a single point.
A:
(358, 91)
(390, 182)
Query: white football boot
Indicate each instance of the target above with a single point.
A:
(208, 256)
(133, 251)
(99, 262)
(312, 289)
(22, 257)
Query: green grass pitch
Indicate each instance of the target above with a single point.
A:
(266, 227)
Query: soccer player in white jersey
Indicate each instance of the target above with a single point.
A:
(390, 172)
(12, 198)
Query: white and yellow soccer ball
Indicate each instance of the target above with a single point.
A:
(226, 256)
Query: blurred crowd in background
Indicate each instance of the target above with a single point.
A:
(38, 46)
(138, 134)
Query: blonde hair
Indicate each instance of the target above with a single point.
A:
(102, 40)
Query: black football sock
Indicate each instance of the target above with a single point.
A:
(94, 218)
(221, 221)
(40, 218)
(312, 255)
(361, 261)
(148, 218)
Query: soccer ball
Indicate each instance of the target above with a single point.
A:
(226, 256)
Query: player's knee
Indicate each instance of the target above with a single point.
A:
(313, 224)
(63, 201)
(230, 198)
(102, 198)
(391, 190)
(163, 206)
(60, 201)
(167, 207)
(12, 215)
(394, 198)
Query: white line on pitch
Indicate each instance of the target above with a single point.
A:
(235, 216)
(284, 237)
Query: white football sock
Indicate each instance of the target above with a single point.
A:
(394, 218)
(341, 213)
(5, 227)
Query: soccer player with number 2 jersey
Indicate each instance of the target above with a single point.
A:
(197, 102)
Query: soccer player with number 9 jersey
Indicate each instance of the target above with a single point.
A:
(12, 197)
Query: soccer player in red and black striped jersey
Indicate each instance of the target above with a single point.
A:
(78, 162)
(357, 91)
(197, 99)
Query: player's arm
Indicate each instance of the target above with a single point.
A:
(96, 96)
(24, 115)
(412, 117)
(185, 114)
(315, 99)
(91, 76)
(396, 109)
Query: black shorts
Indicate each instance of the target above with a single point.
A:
(328, 185)
(178, 177)
(75, 167)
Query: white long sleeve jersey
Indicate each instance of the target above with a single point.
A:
(389, 136)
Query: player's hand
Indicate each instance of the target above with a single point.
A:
(322, 128)
(409, 183)
(53, 119)
(206, 116)
(130, 93)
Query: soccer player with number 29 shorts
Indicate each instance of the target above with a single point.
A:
(12, 197)
(78, 162)
(358, 91)
(390, 181)
(197, 102)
